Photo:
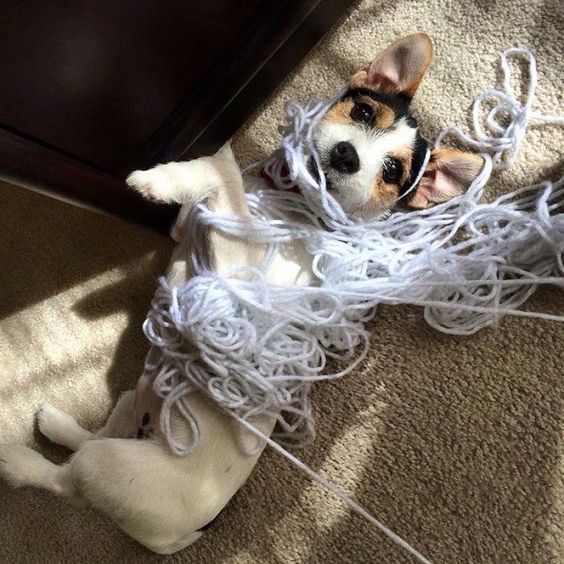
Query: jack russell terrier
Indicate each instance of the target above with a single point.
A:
(370, 150)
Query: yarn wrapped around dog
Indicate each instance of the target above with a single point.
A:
(467, 263)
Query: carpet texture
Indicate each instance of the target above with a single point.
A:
(455, 443)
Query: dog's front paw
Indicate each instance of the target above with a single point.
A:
(159, 184)
(187, 182)
(146, 183)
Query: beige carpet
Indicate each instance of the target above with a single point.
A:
(455, 443)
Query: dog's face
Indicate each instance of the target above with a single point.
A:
(369, 144)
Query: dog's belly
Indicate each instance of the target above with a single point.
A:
(292, 264)
(218, 467)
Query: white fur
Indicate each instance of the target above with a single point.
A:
(159, 499)
(122, 476)
(60, 428)
(354, 191)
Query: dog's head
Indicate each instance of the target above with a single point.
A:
(369, 144)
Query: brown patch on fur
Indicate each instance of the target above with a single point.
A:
(383, 193)
(404, 156)
(385, 116)
(341, 112)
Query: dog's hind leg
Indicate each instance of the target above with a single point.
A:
(21, 466)
(121, 423)
(144, 490)
(62, 429)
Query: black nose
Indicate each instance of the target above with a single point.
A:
(344, 158)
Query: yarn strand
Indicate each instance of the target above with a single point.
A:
(255, 348)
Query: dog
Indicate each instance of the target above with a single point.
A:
(370, 150)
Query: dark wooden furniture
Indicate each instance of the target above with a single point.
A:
(92, 90)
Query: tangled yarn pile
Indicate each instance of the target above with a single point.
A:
(467, 263)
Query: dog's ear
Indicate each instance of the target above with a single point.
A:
(398, 69)
(449, 173)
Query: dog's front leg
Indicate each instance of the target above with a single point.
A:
(215, 180)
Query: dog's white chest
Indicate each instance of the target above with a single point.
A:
(292, 263)
(290, 266)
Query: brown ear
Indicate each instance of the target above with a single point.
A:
(400, 68)
(449, 173)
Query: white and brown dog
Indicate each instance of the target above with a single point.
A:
(370, 150)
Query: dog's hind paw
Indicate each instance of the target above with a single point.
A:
(60, 428)
(18, 464)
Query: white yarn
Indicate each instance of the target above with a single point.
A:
(255, 348)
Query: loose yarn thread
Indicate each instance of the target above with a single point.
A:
(255, 348)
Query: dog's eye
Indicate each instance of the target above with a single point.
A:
(392, 171)
(362, 112)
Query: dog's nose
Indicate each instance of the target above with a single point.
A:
(344, 158)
